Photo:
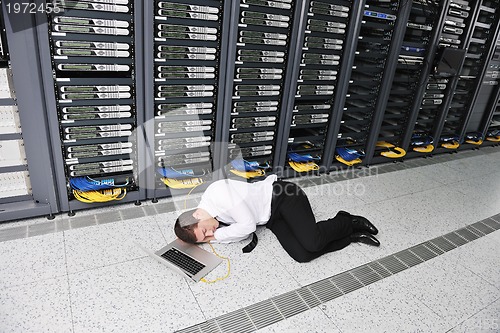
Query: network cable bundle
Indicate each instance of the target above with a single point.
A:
(180, 179)
(450, 142)
(88, 190)
(248, 169)
(187, 55)
(92, 51)
(348, 156)
(493, 135)
(474, 138)
(390, 150)
(422, 143)
(300, 156)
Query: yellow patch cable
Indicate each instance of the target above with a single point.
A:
(303, 167)
(100, 196)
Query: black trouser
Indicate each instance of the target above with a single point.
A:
(292, 221)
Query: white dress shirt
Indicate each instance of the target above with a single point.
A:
(241, 205)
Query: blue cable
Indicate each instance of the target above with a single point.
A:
(450, 138)
(302, 158)
(243, 165)
(87, 184)
(349, 154)
(169, 172)
(475, 136)
(494, 132)
(421, 140)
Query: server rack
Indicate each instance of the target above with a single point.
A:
(94, 101)
(479, 51)
(264, 42)
(324, 65)
(189, 60)
(455, 33)
(413, 68)
(374, 64)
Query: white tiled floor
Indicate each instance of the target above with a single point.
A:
(95, 279)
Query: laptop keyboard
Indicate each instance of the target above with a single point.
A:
(184, 261)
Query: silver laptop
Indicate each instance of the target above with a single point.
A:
(186, 259)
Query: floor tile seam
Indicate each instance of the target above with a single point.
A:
(473, 315)
(73, 273)
(374, 261)
(477, 274)
(53, 277)
(268, 250)
(322, 309)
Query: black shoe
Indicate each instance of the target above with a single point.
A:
(360, 223)
(362, 237)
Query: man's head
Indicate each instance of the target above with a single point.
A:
(195, 226)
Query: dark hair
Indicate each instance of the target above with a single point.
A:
(186, 233)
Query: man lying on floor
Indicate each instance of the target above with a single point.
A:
(282, 207)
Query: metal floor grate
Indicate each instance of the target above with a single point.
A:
(273, 310)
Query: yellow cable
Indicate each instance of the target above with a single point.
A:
(472, 142)
(182, 183)
(248, 174)
(493, 138)
(228, 268)
(348, 163)
(100, 196)
(450, 145)
(303, 167)
(422, 149)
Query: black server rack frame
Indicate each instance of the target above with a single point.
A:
(323, 60)
(403, 15)
(422, 31)
(263, 39)
(364, 93)
(452, 81)
(479, 51)
(431, 117)
(119, 112)
(202, 29)
(490, 120)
